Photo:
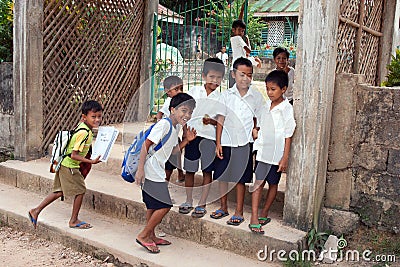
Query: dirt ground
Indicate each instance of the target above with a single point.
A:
(24, 249)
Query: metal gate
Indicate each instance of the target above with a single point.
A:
(187, 35)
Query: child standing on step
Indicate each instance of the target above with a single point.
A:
(151, 173)
(281, 59)
(68, 180)
(173, 85)
(236, 119)
(202, 148)
(273, 139)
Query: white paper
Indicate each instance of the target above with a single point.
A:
(105, 139)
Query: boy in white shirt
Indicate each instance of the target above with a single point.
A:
(240, 47)
(151, 174)
(222, 55)
(239, 108)
(202, 148)
(281, 59)
(173, 85)
(273, 139)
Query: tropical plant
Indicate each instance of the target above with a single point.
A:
(393, 77)
(6, 30)
(223, 14)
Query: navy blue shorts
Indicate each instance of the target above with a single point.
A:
(156, 195)
(236, 165)
(267, 172)
(200, 150)
(174, 162)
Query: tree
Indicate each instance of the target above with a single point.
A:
(223, 14)
(6, 30)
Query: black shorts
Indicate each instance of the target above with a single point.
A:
(236, 165)
(267, 172)
(173, 162)
(156, 195)
(200, 150)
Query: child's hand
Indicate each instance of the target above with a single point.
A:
(283, 164)
(255, 133)
(139, 176)
(218, 151)
(96, 160)
(191, 134)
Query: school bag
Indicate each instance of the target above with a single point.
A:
(60, 144)
(131, 157)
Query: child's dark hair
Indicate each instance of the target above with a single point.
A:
(242, 61)
(238, 24)
(279, 77)
(279, 50)
(171, 81)
(91, 105)
(215, 64)
(184, 100)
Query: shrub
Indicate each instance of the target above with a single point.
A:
(393, 77)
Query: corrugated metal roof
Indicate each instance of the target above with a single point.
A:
(274, 6)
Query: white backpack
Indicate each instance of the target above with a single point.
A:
(60, 145)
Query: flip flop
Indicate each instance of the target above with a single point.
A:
(162, 242)
(199, 212)
(147, 245)
(81, 225)
(253, 228)
(263, 220)
(218, 214)
(235, 220)
(185, 208)
(33, 220)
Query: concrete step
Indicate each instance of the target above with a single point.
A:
(113, 166)
(110, 196)
(109, 237)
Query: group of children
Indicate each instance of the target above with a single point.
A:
(222, 131)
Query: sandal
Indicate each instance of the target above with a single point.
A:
(218, 214)
(235, 220)
(263, 220)
(199, 212)
(256, 228)
(185, 208)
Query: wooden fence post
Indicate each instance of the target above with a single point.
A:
(313, 97)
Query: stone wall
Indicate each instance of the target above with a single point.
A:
(363, 179)
(7, 124)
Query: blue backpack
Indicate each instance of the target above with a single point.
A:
(131, 158)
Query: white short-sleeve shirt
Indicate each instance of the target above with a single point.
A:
(205, 104)
(154, 168)
(237, 45)
(165, 108)
(239, 113)
(289, 90)
(275, 125)
(224, 57)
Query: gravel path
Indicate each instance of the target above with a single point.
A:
(24, 249)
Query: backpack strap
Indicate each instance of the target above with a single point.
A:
(83, 141)
(166, 137)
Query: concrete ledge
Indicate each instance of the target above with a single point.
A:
(110, 237)
(110, 196)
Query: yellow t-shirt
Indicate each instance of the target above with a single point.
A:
(77, 143)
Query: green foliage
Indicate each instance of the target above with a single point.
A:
(316, 240)
(221, 17)
(393, 77)
(297, 263)
(6, 30)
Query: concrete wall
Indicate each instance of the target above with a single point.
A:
(363, 178)
(7, 124)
